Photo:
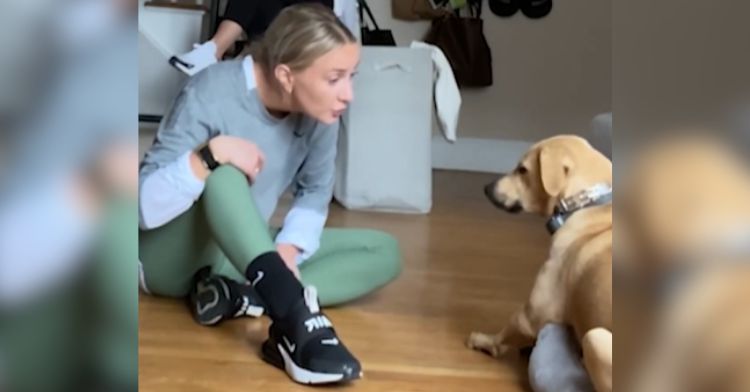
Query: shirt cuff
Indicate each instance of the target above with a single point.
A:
(183, 174)
(302, 228)
(168, 192)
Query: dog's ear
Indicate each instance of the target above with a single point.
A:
(555, 166)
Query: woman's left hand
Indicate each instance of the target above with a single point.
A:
(289, 254)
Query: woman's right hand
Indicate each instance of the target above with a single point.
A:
(238, 152)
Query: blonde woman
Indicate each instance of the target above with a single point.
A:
(239, 134)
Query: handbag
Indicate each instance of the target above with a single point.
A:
(418, 9)
(463, 42)
(376, 36)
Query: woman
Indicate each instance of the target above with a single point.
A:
(237, 136)
(253, 17)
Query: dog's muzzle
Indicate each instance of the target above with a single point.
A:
(489, 191)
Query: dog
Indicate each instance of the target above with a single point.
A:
(565, 179)
(684, 213)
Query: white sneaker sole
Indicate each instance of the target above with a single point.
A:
(304, 376)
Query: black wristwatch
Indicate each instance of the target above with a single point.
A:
(208, 158)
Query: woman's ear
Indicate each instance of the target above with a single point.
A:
(284, 75)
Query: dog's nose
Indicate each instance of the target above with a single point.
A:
(489, 190)
(500, 200)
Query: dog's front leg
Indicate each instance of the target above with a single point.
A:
(517, 334)
(544, 306)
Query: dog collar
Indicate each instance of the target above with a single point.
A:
(734, 250)
(597, 195)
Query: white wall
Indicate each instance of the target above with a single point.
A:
(551, 75)
(163, 32)
(684, 63)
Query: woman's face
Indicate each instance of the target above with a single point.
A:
(324, 89)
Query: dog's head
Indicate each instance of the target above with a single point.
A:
(551, 170)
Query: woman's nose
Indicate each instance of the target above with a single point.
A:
(347, 93)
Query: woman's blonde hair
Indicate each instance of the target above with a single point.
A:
(298, 36)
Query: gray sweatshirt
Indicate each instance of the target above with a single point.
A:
(223, 100)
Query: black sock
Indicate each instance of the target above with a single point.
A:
(275, 283)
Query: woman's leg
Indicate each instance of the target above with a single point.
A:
(302, 341)
(351, 263)
(223, 224)
(251, 16)
(239, 15)
(254, 16)
(226, 35)
(247, 14)
(114, 314)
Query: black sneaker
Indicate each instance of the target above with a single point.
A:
(215, 298)
(305, 345)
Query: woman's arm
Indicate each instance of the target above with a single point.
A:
(168, 192)
(313, 190)
(172, 174)
(168, 184)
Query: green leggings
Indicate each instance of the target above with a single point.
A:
(85, 328)
(224, 230)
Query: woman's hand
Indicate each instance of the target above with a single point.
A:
(240, 153)
(289, 254)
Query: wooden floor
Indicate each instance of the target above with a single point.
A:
(467, 267)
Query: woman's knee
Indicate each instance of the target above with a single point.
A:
(226, 175)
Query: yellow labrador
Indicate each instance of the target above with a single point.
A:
(686, 220)
(567, 180)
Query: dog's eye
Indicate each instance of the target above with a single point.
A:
(521, 170)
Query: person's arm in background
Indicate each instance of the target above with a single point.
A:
(299, 237)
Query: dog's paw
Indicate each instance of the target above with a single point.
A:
(484, 342)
